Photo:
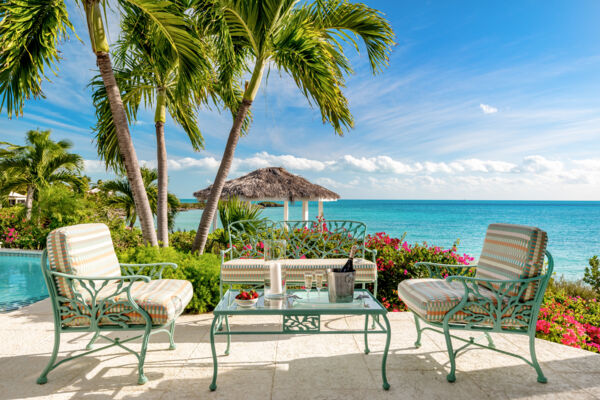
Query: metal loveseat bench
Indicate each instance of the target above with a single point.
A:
(310, 246)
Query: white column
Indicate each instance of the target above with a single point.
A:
(305, 210)
(320, 209)
(215, 221)
(286, 211)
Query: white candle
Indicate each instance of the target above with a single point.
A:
(275, 272)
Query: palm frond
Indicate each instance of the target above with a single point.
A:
(314, 64)
(337, 17)
(169, 19)
(30, 31)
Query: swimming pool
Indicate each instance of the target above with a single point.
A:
(21, 282)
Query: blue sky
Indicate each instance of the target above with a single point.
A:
(482, 100)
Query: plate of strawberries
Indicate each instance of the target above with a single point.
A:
(246, 298)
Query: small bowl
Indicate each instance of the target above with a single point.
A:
(246, 303)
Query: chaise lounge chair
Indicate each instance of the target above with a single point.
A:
(89, 294)
(504, 295)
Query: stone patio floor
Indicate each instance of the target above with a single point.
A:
(284, 367)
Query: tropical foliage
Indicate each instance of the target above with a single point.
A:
(30, 33)
(39, 164)
(119, 195)
(306, 41)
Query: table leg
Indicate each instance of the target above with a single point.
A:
(213, 385)
(386, 385)
(228, 335)
(366, 332)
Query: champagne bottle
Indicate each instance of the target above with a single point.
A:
(349, 266)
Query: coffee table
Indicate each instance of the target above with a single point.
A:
(301, 314)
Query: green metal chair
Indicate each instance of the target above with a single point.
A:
(504, 295)
(89, 294)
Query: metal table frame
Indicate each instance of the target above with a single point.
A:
(300, 321)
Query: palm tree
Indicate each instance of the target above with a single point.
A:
(30, 31)
(303, 40)
(120, 196)
(39, 164)
(147, 69)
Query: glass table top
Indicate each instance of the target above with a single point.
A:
(298, 302)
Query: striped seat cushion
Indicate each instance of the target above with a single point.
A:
(82, 250)
(163, 299)
(253, 270)
(513, 252)
(431, 299)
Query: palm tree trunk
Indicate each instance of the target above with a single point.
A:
(215, 193)
(162, 214)
(29, 202)
(127, 150)
(234, 135)
(100, 48)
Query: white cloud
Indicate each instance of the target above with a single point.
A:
(487, 109)
(91, 166)
(264, 159)
(539, 164)
(534, 177)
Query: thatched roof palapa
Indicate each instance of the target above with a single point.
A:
(274, 184)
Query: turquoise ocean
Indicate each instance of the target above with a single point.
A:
(572, 226)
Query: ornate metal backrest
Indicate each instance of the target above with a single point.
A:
(246, 237)
(310, 239)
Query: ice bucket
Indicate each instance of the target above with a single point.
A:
(340, 286)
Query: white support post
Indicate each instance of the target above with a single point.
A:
(305, 210)
(320, 209)
(286, 211)
(215, 221)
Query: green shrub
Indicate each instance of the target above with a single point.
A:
(182, 241)
(565, 287)
(591, 276)
(202, 271)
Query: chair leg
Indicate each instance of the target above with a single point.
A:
(451, 377)
(90, 345)
(490, 340)
(418, 326)
(142, 357)
(172, 345)
(43, 378)
(541, 378)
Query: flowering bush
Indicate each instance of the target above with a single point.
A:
(15, 232)
(572, 321)
(396, 261)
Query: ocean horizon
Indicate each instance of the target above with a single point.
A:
(572, 226)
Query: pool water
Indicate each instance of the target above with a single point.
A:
(22, 282)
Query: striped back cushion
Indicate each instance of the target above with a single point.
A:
(513, 252)
(82, 250)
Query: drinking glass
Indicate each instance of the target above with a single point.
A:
(308, 281)
(274, 249)
(319, 277)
